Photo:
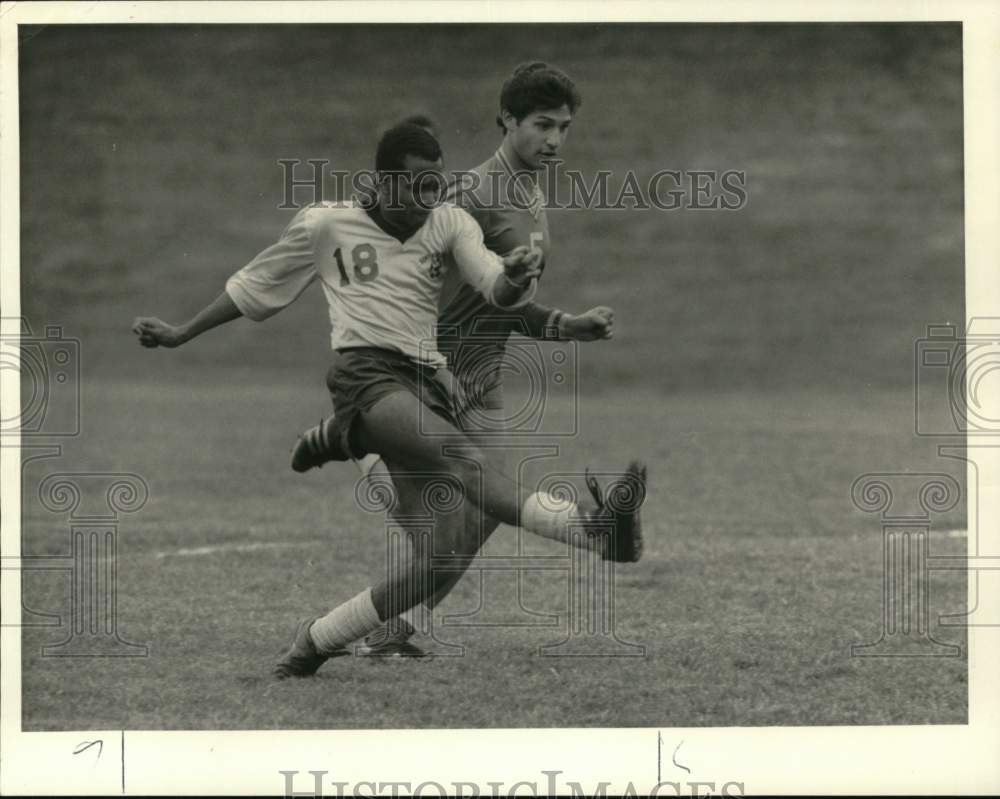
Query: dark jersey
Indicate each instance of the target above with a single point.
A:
(510, 210)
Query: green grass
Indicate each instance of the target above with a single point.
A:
(758, 576)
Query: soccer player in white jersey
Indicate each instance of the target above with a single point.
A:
(381, 269)
(537, 105)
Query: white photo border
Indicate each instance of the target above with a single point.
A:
(781, 760)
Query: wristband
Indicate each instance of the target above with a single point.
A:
(555, 323)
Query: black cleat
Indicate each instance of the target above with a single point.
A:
(391, 640)
(302, 659)
(621, 506)
(318, 445)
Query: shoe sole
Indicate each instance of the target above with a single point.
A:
(626, 502)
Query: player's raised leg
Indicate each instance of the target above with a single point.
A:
(405, 432)
(325, 443)
(411, 438)
(401, 429)
(461, 536)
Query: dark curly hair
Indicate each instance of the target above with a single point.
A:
(402, 140)
(537, 86)
(425, 121)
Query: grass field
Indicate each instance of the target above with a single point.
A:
(763, 360)
(758, 576)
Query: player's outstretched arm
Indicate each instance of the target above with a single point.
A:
(593, 325)
(271, 281)
(153, 332)
(543, 322)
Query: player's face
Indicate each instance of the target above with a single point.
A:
(540, 135)
(409, 198)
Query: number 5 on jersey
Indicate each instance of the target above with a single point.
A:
(365, 264)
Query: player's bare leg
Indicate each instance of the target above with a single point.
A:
(464, 536)
(405, 432)
(419, 580)
(449, 540)
(323, 444)
(484, 527)
(457, 539)
(479, 525)
(450, 532)
(392, 427)
(318, 639)
(407, 585)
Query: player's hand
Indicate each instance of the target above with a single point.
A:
(153, 332)
(593, 325)
(522, 265)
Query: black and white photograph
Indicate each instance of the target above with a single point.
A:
(370, 374)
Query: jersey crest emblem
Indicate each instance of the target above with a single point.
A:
(436, 262)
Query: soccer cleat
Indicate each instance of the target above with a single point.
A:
(391, 640)
(621, 506)
(302, 659)
(318, 445)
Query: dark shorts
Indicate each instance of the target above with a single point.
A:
(360, 377)
(479, 368)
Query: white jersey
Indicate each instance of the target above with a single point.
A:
(381, 292)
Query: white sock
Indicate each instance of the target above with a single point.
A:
(549, 516)
(366, 463)
(347, 622)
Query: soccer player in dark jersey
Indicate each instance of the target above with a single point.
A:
(537, 106)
